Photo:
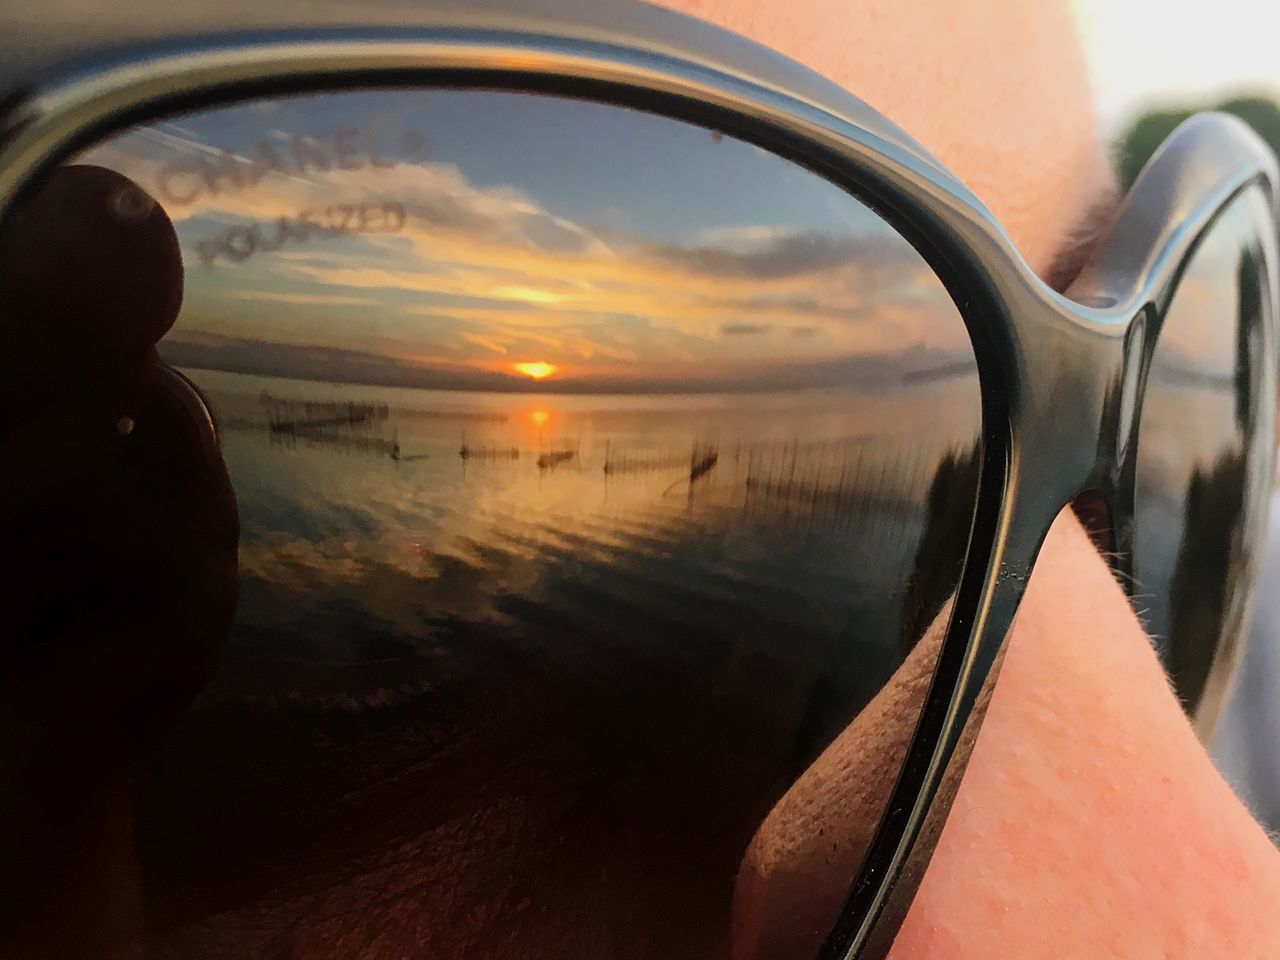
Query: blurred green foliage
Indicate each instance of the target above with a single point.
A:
(1140, 141)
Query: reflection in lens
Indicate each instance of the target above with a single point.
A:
(598, 476)
(1201, 462)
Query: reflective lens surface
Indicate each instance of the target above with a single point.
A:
(587, 481)
(1203, 460)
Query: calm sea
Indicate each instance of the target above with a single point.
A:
(626, 624)
(382, 522)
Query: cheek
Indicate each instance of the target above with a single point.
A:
(1087, 796)
(1089, 815)
(998, 90)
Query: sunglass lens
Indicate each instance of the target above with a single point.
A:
(598, 475)
(1204, 450)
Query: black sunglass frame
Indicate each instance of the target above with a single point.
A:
(1062, 377)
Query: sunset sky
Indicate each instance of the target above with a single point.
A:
(493, 237)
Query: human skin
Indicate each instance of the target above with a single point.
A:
(1091, 821)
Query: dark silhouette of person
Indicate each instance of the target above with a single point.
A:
(119, 534)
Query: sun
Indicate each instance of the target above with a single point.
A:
(537, 369)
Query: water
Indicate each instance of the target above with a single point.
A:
(381, 520)
(638, 661)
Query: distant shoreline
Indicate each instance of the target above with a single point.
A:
(850, 373)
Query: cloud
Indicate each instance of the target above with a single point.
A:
(480, 269)
(742, 237)
(437, 195)
(784, 255)
(488, 343)
(278, 296)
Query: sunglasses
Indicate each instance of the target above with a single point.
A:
(557, 483)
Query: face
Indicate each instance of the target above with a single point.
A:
(997, 90)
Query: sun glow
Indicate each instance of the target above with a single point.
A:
(539, 417)
(537, 369)
(529, 295)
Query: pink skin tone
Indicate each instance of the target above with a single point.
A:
(1091, 821)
